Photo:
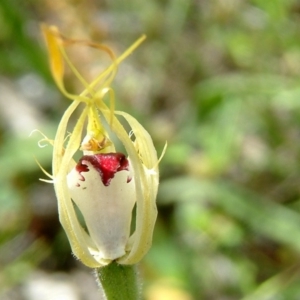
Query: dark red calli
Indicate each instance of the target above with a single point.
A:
(106, 164)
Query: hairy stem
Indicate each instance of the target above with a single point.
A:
(119, 282)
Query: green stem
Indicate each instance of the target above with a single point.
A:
(119, 282)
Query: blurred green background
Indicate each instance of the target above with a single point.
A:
(218, 80)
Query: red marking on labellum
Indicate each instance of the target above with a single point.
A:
(107, 165)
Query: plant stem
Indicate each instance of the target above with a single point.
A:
(119, 282)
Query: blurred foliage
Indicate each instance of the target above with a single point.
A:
(219, 80)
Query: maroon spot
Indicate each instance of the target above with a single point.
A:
(107, 165)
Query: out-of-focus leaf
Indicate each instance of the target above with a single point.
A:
(18, 154)
(262, 215)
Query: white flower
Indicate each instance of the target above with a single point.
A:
(104, 184)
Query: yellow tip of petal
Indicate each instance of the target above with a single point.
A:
(52, 37)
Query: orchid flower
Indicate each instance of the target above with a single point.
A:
(104, 184)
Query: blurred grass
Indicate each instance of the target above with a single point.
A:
(219, 80)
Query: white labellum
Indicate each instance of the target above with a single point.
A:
(103, 188)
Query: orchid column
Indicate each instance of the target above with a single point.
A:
(104, 183)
